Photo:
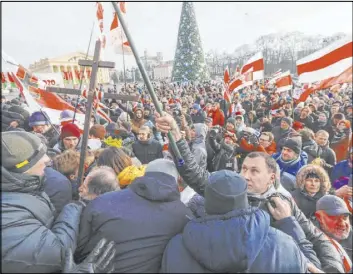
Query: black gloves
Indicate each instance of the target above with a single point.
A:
(100, 260)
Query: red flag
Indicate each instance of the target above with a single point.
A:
(66, 75)
(115, 22)
(11, 79)
(100, 11)
(234, 84)
(3, 79)
(21, 72)
(77, 73)
(226, 76)
(33, 79)
(122, 7)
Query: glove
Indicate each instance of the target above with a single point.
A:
(100, 260)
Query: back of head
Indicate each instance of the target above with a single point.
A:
(163, 166)
(115, 158)
(226, 191)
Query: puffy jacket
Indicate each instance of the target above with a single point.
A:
(305, 202)
(198, 117)
(291, 167)
(280, 136)
(198, 146)
(32, 240)
(197, 179)
(14, 113)
(58, 188)
(225, 156)
(217, 117)
(147, 151)
(239, 241)
(140, 220)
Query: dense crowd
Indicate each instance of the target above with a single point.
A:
(264, 184)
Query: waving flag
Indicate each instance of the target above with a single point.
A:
(284, 82)
(256, 63)
(226, 77)
(327, 62)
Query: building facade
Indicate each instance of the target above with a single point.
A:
(69, 68)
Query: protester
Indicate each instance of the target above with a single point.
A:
(332, 217)
(115, 158)
(312, 184)
(130, 220)
(265, 143)
(32, 240)
(99, 181)
(282, 132)
(308, 143)
(292, 158)
(70, 138)
(197, 114)
(96, 135)
(227, 239)
(341, 140)
(146, 149)
(325, 156)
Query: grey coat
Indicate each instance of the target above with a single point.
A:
(32, 241)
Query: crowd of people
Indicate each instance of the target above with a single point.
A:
(262, 184)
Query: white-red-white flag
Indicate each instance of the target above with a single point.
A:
(284, 82)
(256, 63)
(328, 62)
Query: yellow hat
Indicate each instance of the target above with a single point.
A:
(129, 174)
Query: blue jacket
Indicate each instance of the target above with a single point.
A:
(341, 169)
(140, 220)
(238, 241)
(58, 188)
(291, 167)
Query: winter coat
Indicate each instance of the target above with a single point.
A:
(280, 136)
(305, 202)
(217, 117)
(8, 116)
(58, 188)
(308, 122)
(288, 181)
(197, 179)
(60, 148)
(198, 146)
(197, 205)
(328, 155)
(341, 169)
(52, 137)
(199, 117)
(310, 147)
(340, 144)
(140, 220)
(225, 156)
(291, 167)
(32, 240)
(147, 151)
(238, 241)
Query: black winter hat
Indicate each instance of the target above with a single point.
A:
(294, 144)
(226, 191)
(21, 150)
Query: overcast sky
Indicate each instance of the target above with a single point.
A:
(31, 31)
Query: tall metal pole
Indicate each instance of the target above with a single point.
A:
(122, 48)
(147, 80)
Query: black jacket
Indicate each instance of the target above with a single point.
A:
(198, 117)
(305, 202)
(224, 157)
(197, 179)
(147, 152)
(32, 240)
(310, 147)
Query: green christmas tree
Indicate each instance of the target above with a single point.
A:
(189, 60)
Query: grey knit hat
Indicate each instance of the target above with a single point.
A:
(163, 166)
(288, 120)
(21, 150)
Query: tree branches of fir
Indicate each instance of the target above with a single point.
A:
(189, 60)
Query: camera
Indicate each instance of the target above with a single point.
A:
(177, 113)
(215, 130)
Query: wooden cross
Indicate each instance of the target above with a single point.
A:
(95, 64)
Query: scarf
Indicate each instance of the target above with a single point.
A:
(340, 135)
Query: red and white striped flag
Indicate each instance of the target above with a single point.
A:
(284, 82)
(256, 63)
(327, 62)
(100, 19)
(117, 36)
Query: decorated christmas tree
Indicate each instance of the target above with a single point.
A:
(189, 60)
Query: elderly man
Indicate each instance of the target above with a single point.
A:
(332, 217)
(99, 181)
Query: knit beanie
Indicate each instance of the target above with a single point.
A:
(21, 150)
(70, 130)
(15, 102)
(37, 119)
(294, 144)
(225, 192)
(97, 131)
(66, 115)
(163, 166)
(231, 120)
(288, 121)
(111, 128)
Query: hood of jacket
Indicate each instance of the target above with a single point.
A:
(156, 186)
(200, 132)
(221, 244)
(20, 182)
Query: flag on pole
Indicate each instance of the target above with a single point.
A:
(256, 63)
(328, 62)
(21, 73)
(226, 76)
(284, 82)
(11, 80)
